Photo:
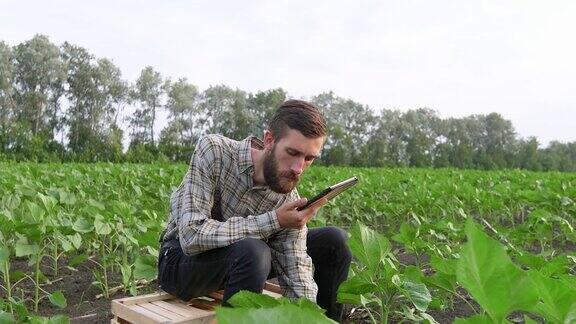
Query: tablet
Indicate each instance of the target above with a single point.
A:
(330, 192)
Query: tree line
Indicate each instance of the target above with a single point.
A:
(61, 103)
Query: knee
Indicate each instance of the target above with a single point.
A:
(338, 238)
(253, 254)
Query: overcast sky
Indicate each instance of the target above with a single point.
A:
(514, 57)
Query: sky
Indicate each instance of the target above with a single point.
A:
(513, 57)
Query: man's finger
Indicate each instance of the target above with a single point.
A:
(320, 203)
(317, 205)
(296, 203)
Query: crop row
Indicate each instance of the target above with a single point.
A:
(110, 215)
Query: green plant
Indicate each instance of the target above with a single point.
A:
(378, 281)
(249, 307)
(501, 287)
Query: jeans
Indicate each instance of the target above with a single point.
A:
(246, 264)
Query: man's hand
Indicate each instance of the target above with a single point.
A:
(289, 217)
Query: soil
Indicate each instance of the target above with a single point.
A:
(77, 287)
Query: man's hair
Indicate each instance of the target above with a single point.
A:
(299, 115)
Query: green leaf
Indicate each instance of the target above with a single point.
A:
(350, 291)
(417, 293)
(305, 303)
(126, 271)
(150, 238)
(19, 307)
(4, 256)
(59, 319)
(97, 204)
(57, 298)
(441, 280)
(565, 201)
(11, 202)
(532, 261)
(66, 245)
(78, 260)
(82, 225)
(413, 273)
(368, 246)
(487, 272)
(6, 318)
(249, 299)
(447, 266)
(407, 235)
(282, 314)
(558, 300)
(66, 197)
(76, 240)
(102, 227)
(17, 275)
(476, 319)
(25, 249)
(145, 267)
(36, 211)
(555, 266)
(47, 201)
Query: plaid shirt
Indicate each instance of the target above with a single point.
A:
(217, 204)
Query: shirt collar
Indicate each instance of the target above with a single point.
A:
(245, 155)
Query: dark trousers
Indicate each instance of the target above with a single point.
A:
(246, 264)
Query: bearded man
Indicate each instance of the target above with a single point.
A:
(234, 221)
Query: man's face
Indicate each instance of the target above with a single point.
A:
(286, 159)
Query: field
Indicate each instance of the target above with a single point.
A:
(429, 245)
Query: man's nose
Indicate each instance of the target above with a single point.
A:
(298, 166)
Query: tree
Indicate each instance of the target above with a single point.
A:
(421, 136)
(559, 156)
(459, 143)
(348, 124)
(395, 130)
(528, 157)
(226, 112)
(178, 138)
(500, 140)
(148, 92)
(96, 93)
(262, 106)
(39, 76)
(7, 104)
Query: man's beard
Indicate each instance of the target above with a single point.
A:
(280, 182)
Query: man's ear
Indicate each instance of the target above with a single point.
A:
(268, 139)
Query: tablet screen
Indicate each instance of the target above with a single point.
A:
(331, 192)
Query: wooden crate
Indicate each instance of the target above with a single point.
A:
(165, 308)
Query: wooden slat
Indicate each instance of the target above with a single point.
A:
(272, 294)
(218, 295)
(209, 309)
(209, 318)
(163, 308)
(131, 315)
(145, 298)
(161, 311)
(156, 318)
(203, 304)
(272, 287)
(181, 309)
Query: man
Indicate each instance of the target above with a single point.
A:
(233, 219)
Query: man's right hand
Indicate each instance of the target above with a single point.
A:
(289, 217)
